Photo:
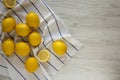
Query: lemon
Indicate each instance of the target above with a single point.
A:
(33, 20)
(8, 47)
(22, 29)
(9, 3)
(22, 48)
(35, 38)
(44, 55)
(59, 47)
(31, 64)
(8, 24)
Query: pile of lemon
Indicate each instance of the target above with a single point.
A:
(24, 30)
(22, 48)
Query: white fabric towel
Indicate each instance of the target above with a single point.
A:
(51, 28)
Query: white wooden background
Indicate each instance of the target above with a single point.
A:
(96, 23)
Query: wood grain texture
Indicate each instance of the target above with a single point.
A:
(96, 23)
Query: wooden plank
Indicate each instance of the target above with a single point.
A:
(96, 23)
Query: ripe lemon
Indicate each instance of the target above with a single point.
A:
(22, 48)
(44, 55)
(22, 29)
(31, 64)
(59, 47)
(9, 3)
(8, 47)
(35, 38)
(8, 24)
(33, 20)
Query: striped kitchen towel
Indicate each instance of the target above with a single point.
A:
(51, 28)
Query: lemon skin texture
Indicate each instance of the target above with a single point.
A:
(31, 64)
(59, 47)
(22, 48)
(33, 20)
(8, 24)
(35, 38)
(8, 47)
(22, 29)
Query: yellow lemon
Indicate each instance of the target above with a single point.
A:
(31, 64)
(44, 55)
(59, 47)
(35, 38)
(33, 20)
(22, 48)
(9, 3)
(8, 24)
(8, 47)
(22, 29)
